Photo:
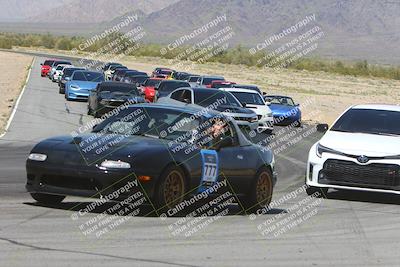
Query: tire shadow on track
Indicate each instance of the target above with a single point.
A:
(145, 210)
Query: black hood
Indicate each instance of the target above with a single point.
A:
(94, 148)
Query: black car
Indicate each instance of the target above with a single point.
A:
(167, 86)
(110, 95)
(109, 64)
(67, 73)
(114, 69)
(180, 75)
(119, 74)
(218, 100)
(159, 150)
(133, 73)
(138, 80)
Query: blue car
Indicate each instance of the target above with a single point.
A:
(81, 83)
(284, 110)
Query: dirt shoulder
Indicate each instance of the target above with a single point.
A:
(13, 71)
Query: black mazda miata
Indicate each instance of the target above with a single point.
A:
(172, 153)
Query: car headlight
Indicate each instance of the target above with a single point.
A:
(322, 149)
(254, 119)
(37, 157)
(115, 164)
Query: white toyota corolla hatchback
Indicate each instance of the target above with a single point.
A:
(361, 151)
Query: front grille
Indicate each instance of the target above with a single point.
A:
(247, 119)
(70, 182)
(374, 175)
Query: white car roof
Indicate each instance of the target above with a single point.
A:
(378, 107)
(241, 90)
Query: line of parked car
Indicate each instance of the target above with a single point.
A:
(116, 84)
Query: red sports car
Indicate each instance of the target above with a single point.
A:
(46, 67)
(148, 88)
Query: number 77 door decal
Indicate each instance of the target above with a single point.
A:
(209, 170)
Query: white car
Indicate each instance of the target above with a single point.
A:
(58, 71)
(253, 100)
(361, 151)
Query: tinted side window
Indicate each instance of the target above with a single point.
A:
(177, 95)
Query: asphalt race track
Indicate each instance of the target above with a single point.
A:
(347, 228)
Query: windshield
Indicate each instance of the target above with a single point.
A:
(208, 80)
(62, 62)
(169, 86)
(249, 98)
(68, 71)
(280, 100)
(369, 121)
(139, 79)
(213, 97)
(151, 82)
(221, 85)
(89, 76)
(165, 72)
(121, 72)
(193, 79)
(149, 122)
(135, 73)
(48, 62)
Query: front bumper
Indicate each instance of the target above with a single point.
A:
(284, 121)
(341, 172)
(78, 93)
(44, 72)
(266, 123)
(83, 181)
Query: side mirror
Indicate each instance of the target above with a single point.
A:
(243, 104)
(67, 78)
(268, 103)
(322, 128)
(186, 100)
(297, 105)
(41, 64)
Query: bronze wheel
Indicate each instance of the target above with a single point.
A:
(171, 189)
(174, 188)
(263, 189)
